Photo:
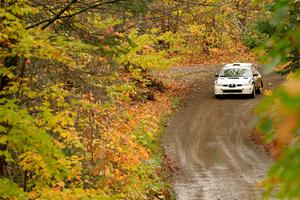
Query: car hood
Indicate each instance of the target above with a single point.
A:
(241, 80)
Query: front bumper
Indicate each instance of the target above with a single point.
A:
(222, 90)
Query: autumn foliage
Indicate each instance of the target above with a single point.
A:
(75, 121)
(80, 110)
(279, 111)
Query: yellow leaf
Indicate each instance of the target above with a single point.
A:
(292, 87)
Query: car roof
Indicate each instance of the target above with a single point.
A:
(233, 65)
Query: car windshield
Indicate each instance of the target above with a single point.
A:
(236, 72)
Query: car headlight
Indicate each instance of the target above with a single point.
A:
(218, 84)
(248, 83)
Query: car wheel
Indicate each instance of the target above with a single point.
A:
(253, 94)
(260, 89)
(217, 96)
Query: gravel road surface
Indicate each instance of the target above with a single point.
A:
(209, 140)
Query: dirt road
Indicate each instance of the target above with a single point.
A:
(209, 140)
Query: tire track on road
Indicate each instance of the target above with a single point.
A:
(209, 141)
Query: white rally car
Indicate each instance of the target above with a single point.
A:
(238, 78)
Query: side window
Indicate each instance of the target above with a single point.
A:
(254, 69)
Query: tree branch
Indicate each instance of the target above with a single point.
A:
(90, 7)
(59, 15)
(198, 4)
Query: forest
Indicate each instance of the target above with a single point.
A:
(81, 113)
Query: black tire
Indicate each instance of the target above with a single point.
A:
(260, 89)
(253, 94)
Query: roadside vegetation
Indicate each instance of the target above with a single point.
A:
(279, 111)
(80, 111)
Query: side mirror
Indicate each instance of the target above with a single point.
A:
(216, 75)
